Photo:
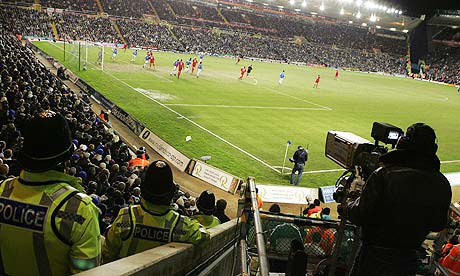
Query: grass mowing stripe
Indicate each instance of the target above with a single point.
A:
(246, 106)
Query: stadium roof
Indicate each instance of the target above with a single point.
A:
(395, 15)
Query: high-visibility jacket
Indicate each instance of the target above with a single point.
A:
(138, 162)
(141, 227)
(46, 226)
(208, 221)
(452, 261)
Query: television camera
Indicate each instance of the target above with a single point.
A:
(358, 156)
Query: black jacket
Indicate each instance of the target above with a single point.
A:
(300, 156)
(402, 201)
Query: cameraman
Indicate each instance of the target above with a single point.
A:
(402, 201)
(299, 159)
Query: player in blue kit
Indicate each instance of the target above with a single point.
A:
(187, 64)
(114, 53)
(134, 56)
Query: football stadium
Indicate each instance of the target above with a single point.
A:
(239, 137)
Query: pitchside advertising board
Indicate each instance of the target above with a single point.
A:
(286, 194)
(216, 177)
(168, 152)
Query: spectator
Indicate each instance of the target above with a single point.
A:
(139, 225)
(206, 207)
(315, 208)
(451, 262)
(275, 208)
(219, 212)
(74, 245)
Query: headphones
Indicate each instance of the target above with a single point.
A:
(419, 137)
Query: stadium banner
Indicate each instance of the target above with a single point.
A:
(172, 155)
(326, 194)
(215, 177)
(287, 194)
(134, 125)
(454, 178)
(72, 76)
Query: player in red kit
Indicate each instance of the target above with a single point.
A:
(315, 85)
(243, 71)
(194, 63)
(180, 66)
(336, 74)
(152, 62)
(238, 58)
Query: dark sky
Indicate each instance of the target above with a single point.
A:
(417, 7)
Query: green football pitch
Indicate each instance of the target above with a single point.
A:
(245, 124)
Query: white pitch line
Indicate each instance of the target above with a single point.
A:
(247, 107)
(341, 170)
(450, 161)
(284, 94)
(299, 99)
(194, 123)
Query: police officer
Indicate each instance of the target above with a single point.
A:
(206, 207)
(299, 158)
(152, 223)
(47, 227)
(400, 204)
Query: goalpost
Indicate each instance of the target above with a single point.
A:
(84, 55)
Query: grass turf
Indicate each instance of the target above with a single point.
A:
(245, 124)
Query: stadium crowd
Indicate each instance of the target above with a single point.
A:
(444, 65)
(143, 34)
(24, 21)
(278, 37)
(82, 27)
(87, 6)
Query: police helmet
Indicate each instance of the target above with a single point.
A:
(206, 202)
(158, 186)
(47, 142)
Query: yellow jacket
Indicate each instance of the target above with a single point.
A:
(141, 227)
(46, 226)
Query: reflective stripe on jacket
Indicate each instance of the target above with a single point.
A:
(141, 227)
(452, 261)
(208, 221)
(47, 226)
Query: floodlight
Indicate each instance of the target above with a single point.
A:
(400, 12)
(373, 18)
(321, 8)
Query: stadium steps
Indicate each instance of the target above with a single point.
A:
(219, 11)
(55, 30)
(99, 4)
(115, 26)
(153, 9)
(170, 8)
